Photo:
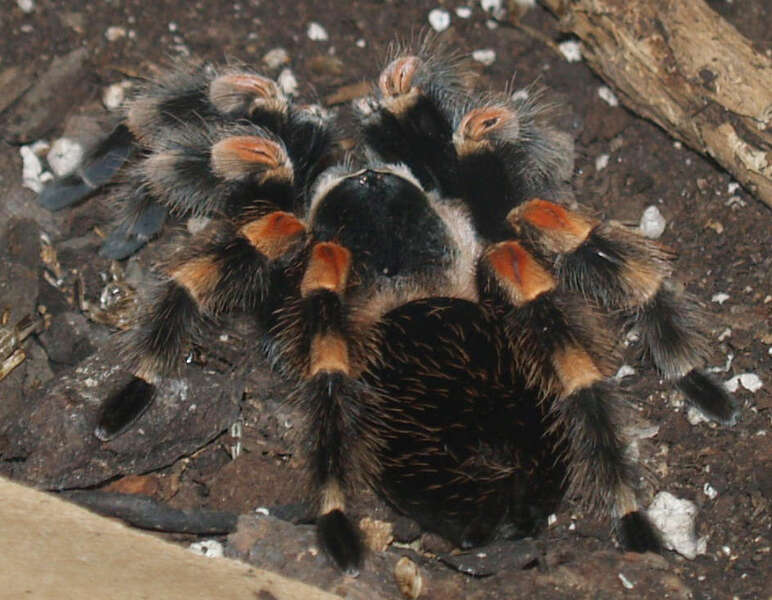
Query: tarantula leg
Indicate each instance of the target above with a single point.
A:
(249, 94)
(226, 269)
(340, 407)
(410, 119)
(97, 169)
(560, 347)
(143, 219)
(623, 271)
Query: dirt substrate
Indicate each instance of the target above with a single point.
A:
(181, 453)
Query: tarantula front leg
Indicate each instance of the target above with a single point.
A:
(562, 348)
(409, 120)
(314, 340)
(621, 270)
(225, 269)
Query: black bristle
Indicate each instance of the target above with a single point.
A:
(341, 540)
(709, 396)
(638, 534)
(122, 409)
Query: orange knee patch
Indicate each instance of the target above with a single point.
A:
(327, 269)
(562, 230)
(199, 276)
(518, 272)
(274, 233)
(480, 125)
(575, 368)
(397, 78)
(329, 352)
(243, 155)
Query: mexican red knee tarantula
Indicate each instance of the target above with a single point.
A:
(449, 325)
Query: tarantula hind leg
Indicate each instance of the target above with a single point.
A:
(225, 268)
(626, 273)
(97, 169)
(563, 346)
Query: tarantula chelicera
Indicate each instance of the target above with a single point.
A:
(448, 323)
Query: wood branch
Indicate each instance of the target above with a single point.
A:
(681, 65)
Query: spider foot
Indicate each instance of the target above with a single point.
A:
(340, 539)
(122, 409)
(709, 396)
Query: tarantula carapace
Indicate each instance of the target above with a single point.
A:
(449, 324)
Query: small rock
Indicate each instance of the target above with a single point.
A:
(361, 43)
(495, 8)
(408, 577)
(608, 96)
(601, 162)
(720, 298)
(624, 371)
(276, 58)
(750, 381)
(378, 534)
(287, 82)
(571, 50)
(463, 12)
(317, 33)
(732, 187)
(26, 6)
(115, 33)
(31, 170)
(114, 95)
(652, 223)
(695, 416)
(65, 156)
(674, 518)
(210, 548)
(625, 581)
(709, 491)
(486, 56)
(439, 19)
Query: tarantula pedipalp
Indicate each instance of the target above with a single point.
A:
(448, 325)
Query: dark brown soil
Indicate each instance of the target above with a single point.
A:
(46, 410)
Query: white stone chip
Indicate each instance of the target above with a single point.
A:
(494, 8)
(571, 50)
(275, 58)
(209, 548)
(26, 6)
(608, 96)
(695, 416)
(674, 518)
(652, 223)
(486, 56)
(709, 491)
(750, 381)
(361, 43)
(115, 33)
(463, 12)
(114, 95)
(288, 82)
(552, 519)
(625, 581)
(439, 19)
(31, 170)
(601, 162)
(732, 187)
(624, 371)
(720, 298)
(317, 33)
(262, 510)
(64, 156)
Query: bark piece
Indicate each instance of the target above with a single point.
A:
(678, 63)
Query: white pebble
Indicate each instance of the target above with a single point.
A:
(695, 416)
(114, 95)
(31, 170)
(361, 43)
(113, 34)
(275, 58)
(601, 162)
(732, 187)
(552, 519)
(608, 96)
(172, 26)
(26, 6)
(674, 518)
(287, 82)
(571, 50)
(624, 371)
(494, 8)
(463, 12)
(721, 297)
(486, 57)
(317, 33)
(709, 491)
(725, 334)
(262, 510)
(652, 223)
(625, 581)
(64, 156)
(209, 548)
(491, 24)
(750, 381)
(677, 145)
(439, 19)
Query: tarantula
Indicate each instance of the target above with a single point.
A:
(449, 325)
